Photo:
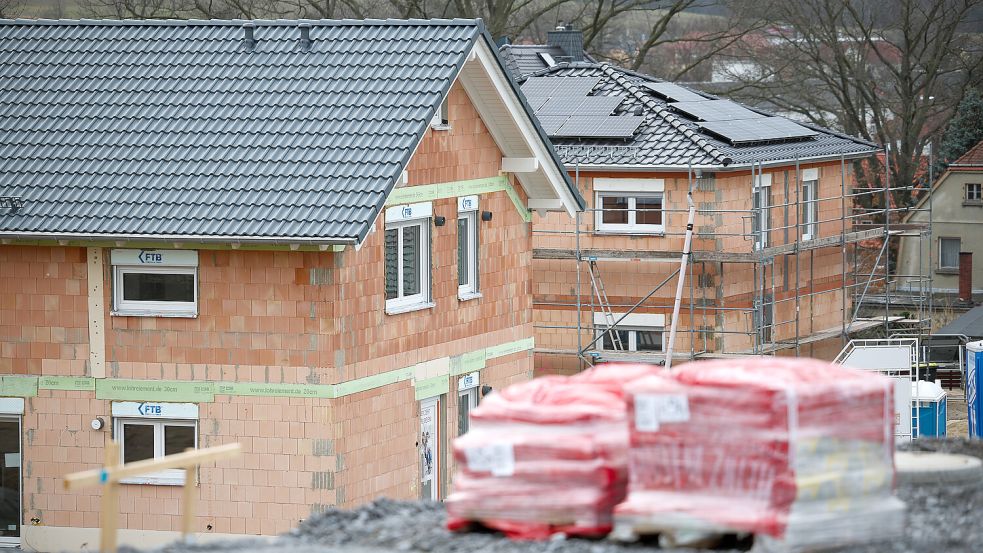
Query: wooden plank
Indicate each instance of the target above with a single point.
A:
(184, 460)
(190, 496)
(110, 503)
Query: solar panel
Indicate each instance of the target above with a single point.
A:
(581, 105)
(674, 92)
(715, 110)
(562, 105)
(559, 86)
(600, 105)
(757, 130)
(552, 123)
(599, 126)
(537, 102)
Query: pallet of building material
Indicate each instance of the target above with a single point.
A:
(546, 456)
(798, 453)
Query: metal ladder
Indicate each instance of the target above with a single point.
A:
(602, 299)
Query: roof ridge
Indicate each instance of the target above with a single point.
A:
(237, 22)
(666, 115)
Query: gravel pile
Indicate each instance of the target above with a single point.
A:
(940, 519)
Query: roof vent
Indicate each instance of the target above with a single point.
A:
(305, 37)
(249, 37)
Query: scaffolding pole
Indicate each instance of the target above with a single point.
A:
(684, 259)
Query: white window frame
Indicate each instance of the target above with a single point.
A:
(469, 396)
(632, 189)
(167, 477)
(467, 209)
(136, 308)
(441, 118)
(632, 323)
(170, 262)
(761, 189)
(979, 192)
(398, 218)
(959, 242)
(809, 208)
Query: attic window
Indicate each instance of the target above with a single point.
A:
(548, 59)
(441, 119)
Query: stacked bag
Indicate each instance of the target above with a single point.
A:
(546, 456)
(797, 452)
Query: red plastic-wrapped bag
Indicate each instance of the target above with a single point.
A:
(798, 452)
(546, 456)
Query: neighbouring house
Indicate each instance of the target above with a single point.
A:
(310, 237)
(952, 216)
(774, 234)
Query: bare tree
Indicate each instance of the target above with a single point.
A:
(10, 8)
(886, 70)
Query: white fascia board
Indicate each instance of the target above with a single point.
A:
(554, 174)
(519, 164)
(544, 204)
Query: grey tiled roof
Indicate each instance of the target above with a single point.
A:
(168, 128)
(523, 59)
(668, 139)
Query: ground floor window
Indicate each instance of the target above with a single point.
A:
(640, 332)
(146, 431)
(949, 253)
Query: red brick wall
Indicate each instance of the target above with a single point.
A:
(262, 320)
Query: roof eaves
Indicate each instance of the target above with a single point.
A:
(180, 238)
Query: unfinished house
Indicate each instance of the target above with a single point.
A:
(770, 270)
(312, 238)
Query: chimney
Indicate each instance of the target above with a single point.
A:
(569, 40)
(249, 37)
(966, 276)
(305, 37)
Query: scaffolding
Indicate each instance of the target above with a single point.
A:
(864, 237)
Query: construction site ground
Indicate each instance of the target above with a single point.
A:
(941, 518)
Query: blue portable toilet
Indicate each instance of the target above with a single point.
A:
(929, 414)
(974, 385)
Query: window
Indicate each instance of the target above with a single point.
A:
(974, 192)
(161, 283)
(467, 400)
(152, 430)
(759, 216)
(808, 203)
(407, 257)
(949, 253)
(467, 247)
(636, 332)
(441, 118)
(629, 205)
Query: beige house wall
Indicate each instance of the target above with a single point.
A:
(952, 217)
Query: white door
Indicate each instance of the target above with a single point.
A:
(429, 450)
(10, 481)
